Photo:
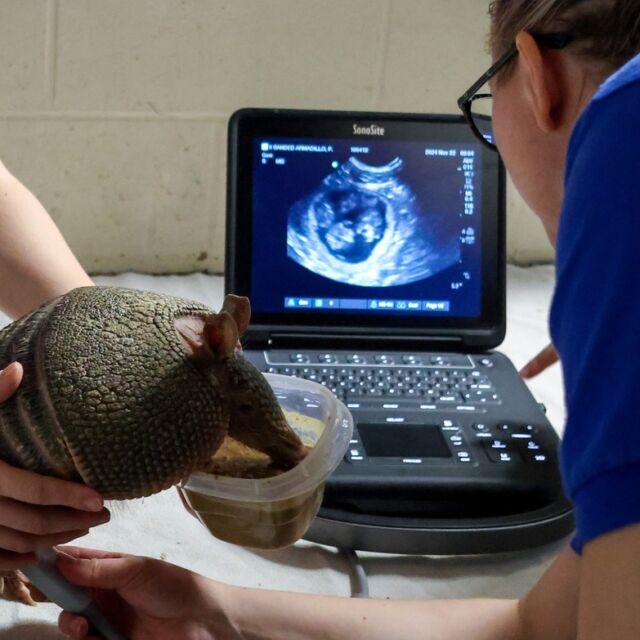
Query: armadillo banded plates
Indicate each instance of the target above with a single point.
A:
(110, 395)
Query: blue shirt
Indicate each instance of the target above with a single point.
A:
(595, 315)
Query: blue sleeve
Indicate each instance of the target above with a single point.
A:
(595, 318)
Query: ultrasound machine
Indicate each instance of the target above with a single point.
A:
(372, 247)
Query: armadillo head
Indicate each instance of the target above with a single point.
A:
(256, 418)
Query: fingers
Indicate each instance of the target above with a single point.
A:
(102, 573)
(10, 379)
(13, 561)
(87, 554)
(47, 520)
(547, 357)
(73, 625)
(25, 528)
(23, 543)
(32, 488)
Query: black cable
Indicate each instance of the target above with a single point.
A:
(358, 577)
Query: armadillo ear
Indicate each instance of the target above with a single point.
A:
(240, 309)
(221, 334)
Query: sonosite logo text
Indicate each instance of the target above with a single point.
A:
(371, 130)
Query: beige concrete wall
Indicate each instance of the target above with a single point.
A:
(114, 111)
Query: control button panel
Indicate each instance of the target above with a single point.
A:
(498, 443)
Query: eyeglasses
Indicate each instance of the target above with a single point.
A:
(477, 107)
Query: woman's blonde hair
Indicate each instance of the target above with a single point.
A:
(606, 32)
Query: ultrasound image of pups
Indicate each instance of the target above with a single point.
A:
(363, 226)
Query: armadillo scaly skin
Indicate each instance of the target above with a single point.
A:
(113, 396)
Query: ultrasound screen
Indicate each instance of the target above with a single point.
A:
(377, 228)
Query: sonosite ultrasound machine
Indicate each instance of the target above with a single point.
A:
(372, 247)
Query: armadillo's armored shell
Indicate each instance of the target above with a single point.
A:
(110, 395)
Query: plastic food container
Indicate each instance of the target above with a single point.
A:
(274, 512)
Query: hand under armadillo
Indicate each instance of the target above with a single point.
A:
(37, 512)
(129, 392)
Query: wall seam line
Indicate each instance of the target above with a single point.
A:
(51, 50)
(380, 72)
(217, 218)
(168, 116)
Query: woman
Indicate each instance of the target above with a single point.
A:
(553, 110)
(35, 512)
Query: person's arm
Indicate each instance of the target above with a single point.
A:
(548, 611)
(36, 263)
(150, 598)
(609, 587)
(261, 615)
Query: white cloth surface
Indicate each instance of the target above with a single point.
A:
(160, 527)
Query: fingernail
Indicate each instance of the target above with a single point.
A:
(80, 627)
(73, 535)
(104, 517)
(7, 368)
(63, 555)
(93, 504)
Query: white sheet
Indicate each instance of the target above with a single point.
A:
(159, 526)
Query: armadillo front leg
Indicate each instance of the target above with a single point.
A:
(15, 586)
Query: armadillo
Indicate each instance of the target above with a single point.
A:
(129, 391)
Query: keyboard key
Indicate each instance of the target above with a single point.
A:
(499, 455)
(536, 457)
(521, 436)
(502, 457)
(527, 428)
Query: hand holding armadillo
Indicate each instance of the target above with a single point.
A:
(129, 392)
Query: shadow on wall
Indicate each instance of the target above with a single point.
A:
(35, 631)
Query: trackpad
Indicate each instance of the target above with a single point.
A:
(403, 441)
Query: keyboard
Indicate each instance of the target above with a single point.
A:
(442, 387)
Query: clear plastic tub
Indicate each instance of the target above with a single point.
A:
(274, 512)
